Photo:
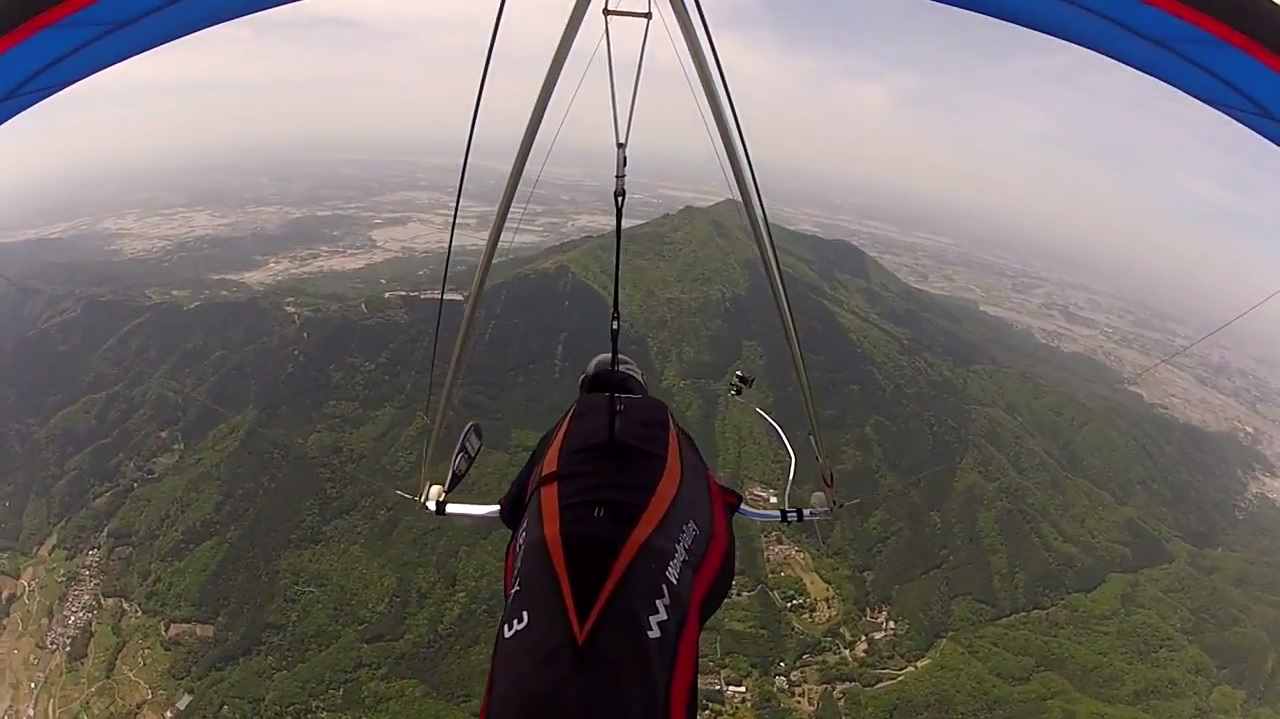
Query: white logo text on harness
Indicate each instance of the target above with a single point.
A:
(687, 535)
(519, 559)
(659, 616)
(674, 569)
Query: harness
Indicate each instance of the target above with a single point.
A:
(634, 654)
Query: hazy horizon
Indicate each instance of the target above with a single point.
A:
(902, 104)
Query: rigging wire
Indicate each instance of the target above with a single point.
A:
(706, 124)
(506, 248)
(824, 468)
(737, 125)
(621, 137)
(603, 40)
(524, 209)
(763, 236)
(928, 472)
(453, 223)
(462, 344)
(1222, 327)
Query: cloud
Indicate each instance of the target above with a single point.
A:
(1052, 145)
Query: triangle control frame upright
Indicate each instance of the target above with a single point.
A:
(738, 168)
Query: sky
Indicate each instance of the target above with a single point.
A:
(1057, 148)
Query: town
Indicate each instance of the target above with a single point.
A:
(79, 606)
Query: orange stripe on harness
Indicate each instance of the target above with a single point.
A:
(544, 482)
(551, 460)
(549, 500)
(653, 514)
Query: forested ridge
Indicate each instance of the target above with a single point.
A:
(1048, 544)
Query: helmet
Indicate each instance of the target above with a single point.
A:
(599, 376)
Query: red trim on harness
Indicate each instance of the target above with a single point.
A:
(686, 667)
(549, 462)
(507, 573)
(488, 688)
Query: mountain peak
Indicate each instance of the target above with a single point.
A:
(235, 462)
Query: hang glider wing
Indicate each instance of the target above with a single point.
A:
(47, 46)
(1225, 53)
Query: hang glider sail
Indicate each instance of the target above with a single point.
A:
(1224, 53)
(47, 46)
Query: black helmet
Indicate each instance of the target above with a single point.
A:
(600, 377)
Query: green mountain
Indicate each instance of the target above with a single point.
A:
(1030, 540)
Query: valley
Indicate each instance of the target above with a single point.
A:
(1230, 383)
(202, 494)
(67, 651)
